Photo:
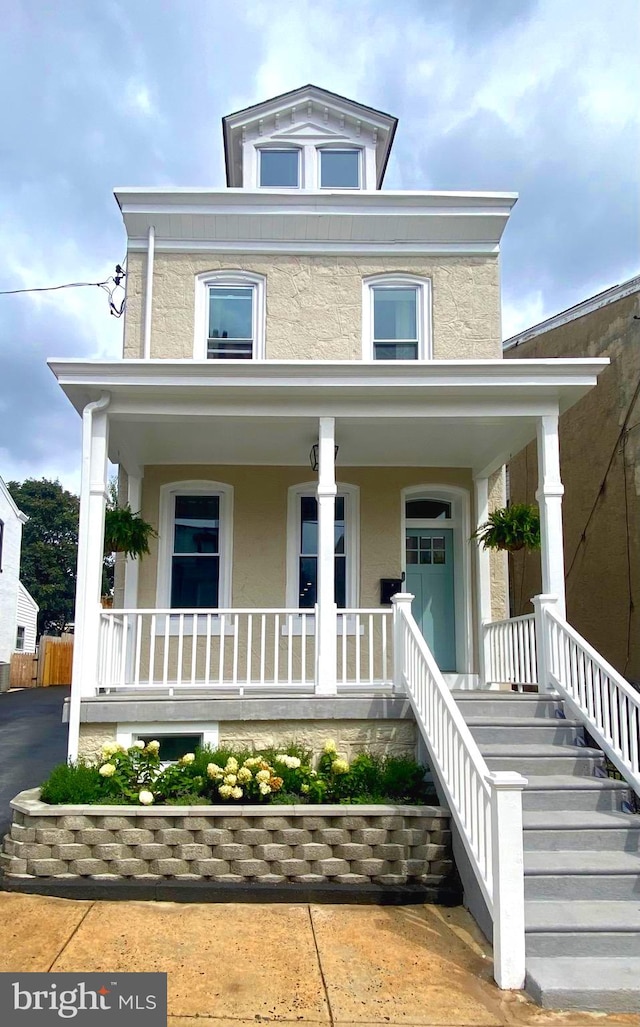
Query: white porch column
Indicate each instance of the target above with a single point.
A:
(93, 501)
(148, 293)
(549, 497)
(483, 578)
(327, 616)
(131, 567)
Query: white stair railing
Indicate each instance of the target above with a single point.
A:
(594, 692)
(486, 807)
(510, 648)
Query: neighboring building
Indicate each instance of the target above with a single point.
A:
(18, 609)
(600, 449)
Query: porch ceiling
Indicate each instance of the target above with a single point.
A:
(474, 414)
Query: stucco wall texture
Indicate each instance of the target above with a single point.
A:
(314, 303)
(603, 568)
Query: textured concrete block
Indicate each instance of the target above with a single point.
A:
(399, 837)
(74, 850)
(152, 850)
(192, 850)
(252, 836)
(369, 867)
(428, 852)
(352, 851)
(135, 835)
(210, 867)
(293, 836)
(88, 867)
(20, 833)
(169, 867)
(46, 867)
(249, 867)
(233, 823)
(351, 879)
(409, 836)
(370, 836)
(274, 823)
(273, 851)
(28, 850)
(115, 823)
(390, 879)
(114, 850)
(390, 852)
(129, 867)
(95, 836)
(272, 879)
(313, 823)
(234, 851)
(230, 879)
(441, 866)
(76, 822)
(412, 867)
(309, 879)
(331, 867)
(174, 836)
(313, 851)
(332, 836)
(290, 867)
(213, 836)
(13, 865)
(154, 823)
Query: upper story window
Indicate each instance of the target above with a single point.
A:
(339, 169)
(396, 318)
(230, 316)
(280, 169)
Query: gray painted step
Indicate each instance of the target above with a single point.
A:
(605, 984)
(515, 731)
(565, 830)
(575, 760)
(582, 928)
(506, 704)
(581, 874)
(549, 792)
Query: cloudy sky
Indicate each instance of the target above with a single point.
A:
(537, 96)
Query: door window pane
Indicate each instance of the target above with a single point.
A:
(279, 168)
(230, 322)
(339, 169)
(195, 561)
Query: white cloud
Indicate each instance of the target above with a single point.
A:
(523, 313)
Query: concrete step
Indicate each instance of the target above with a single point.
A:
(527, 731)
(581, 874)
(564, 830)
(507, 704)
(604, 983)
(577, 761)
(549, 792)
(582, 928)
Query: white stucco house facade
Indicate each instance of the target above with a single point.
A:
(18, 609)
(313, 411)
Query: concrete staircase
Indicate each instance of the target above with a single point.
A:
(581, 853)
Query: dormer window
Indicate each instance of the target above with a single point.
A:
(280, 169)
(230, 316)
(339, 169)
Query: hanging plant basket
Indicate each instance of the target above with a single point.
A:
(127, 532)
(511, 528)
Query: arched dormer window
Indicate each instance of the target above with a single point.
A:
(396, 317)
(229, 316)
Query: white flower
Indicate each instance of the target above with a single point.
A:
(107, 770)
(330, 745)
(264, 788)
(137, 745)
(145, 797)
(225, 791)
(110, 749)
(244, 775)
(232, 765)
(189, 757)
(153, 747)
(236, 793)
(292, 762)
(304, 789)
(340, 767)
(230, 779)
(214, 771)
(253, 761)
(263, 775)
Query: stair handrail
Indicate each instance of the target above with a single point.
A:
(486, 806)
(594, 692)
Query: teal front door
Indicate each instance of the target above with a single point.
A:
(429, 576)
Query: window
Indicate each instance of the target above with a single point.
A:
(229, 316)
(173, 747)
(427, 509)
(302, 546)
(194, 561)
(396, 318)
(339, 169)
(280, 169)
(20, 639)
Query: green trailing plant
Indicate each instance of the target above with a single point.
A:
(127, 532)
(511, 528)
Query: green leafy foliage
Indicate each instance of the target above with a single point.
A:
(511, 527)
(76, 783)
(127, 532)
(49, 549)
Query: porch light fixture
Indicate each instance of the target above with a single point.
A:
(313, 456)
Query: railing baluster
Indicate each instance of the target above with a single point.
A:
(207, 653)
(180, 648)
(276, 648)
(194, 647)
(263, 644)
(236, 649)
(221, 651)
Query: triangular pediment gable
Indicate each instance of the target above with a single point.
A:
(309, 130)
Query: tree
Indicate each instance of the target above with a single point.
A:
(49, 548)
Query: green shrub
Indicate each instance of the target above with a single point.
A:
(76, 783)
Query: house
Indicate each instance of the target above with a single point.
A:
(313, 411)
(600, 447)
(18, 609)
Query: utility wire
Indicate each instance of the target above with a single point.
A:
(109, 285)
(52, 288)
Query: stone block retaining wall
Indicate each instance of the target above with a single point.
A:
(387, 845)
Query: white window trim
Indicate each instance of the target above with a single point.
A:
(239, 279)
(126, 734)
(168, 493)
(424, 318)
(278, 146)
(460, 522)
(351, 495)
(335, 148)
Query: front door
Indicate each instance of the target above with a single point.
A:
(429, 576)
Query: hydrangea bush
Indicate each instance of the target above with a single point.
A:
(136, 775)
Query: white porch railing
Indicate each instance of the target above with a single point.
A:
(486, 807)
(510, 651)
(593, 690)
(365, 647)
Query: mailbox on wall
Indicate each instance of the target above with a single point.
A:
(388, 588)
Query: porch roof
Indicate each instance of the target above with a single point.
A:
(446, 413)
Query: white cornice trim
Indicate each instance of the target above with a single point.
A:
(329, 248)
(601, 299)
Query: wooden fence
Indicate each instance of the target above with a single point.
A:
(51, 665)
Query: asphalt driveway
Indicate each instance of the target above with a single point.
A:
(32, 740)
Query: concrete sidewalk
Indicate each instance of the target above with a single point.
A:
(246, 964)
